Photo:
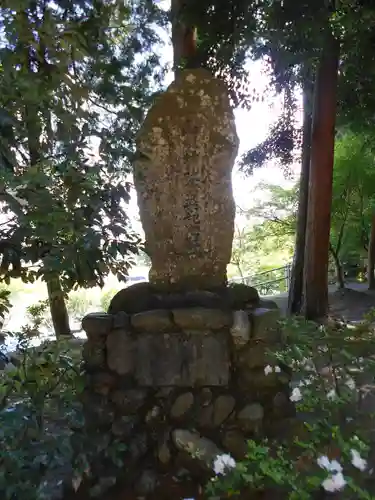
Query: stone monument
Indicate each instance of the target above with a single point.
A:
(176, 368)
(186, 151)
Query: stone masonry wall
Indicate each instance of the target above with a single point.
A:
(180, 379)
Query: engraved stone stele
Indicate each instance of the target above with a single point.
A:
(186, 150)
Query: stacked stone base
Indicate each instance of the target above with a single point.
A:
(178, 379)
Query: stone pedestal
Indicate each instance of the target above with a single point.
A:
(179, 379)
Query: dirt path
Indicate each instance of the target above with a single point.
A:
(350, 304)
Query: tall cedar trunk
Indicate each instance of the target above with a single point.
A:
(315, 306)
(371, 256)
(183, 38)
(59, 312)
(296, 279)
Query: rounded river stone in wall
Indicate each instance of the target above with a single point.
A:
(134, 299)
(182, 405)
(97, 324)
(223, 407)
(155, 321)
(200, 318)
(250, 417)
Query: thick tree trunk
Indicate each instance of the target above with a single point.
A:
(296, 279)
(59, 312)
(371, 256)
(315, 305)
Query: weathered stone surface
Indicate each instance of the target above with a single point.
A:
(120, 352)
(164, 453)
(97, 324)
(134, 299)
(264, 324)
(205, 397)
(204, 298)
(200, 318)
(102, 382)
(250, 417)
(235, 442)
(255, 355)
(129, 401)
(121, 321)
(223, 407)
(206, 417)
(267, 304)
(182, 405)
(182, 360)
(155, 321)
(138, 446)
(153, 414)
(240, 330)
(93, 354)
(147, 483)
(186, 150)
(199, 448)
(240, 296)
(123, 426)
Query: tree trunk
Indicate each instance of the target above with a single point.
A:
(296, 278)
(59, 312)
(315, 306)
(184, 39)
(339, 270)
(371, 256)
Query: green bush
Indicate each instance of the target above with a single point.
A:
(329, 450)
(78, 304)
(106, 297)
(38, 406)
(42, 440)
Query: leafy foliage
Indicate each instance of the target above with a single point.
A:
(38, 407)
(332, 431)
(71, 80)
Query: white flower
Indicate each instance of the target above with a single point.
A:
(330, 465)
(357, 461)
(350, 383)
(324, 462)
(222, 463)
(335, 482)
(267, 370)
(331, 395)
(296, 395)
(335, 466)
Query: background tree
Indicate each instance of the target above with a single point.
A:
(71, 79)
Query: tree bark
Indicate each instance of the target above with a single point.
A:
(315, 306)
(296, 278)
(339, 270)
(59, 312)
(184, 38)
(371, 256)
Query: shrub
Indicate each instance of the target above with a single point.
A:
(329, 450)
(38, 406)
(78, 304)
(106, 297)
